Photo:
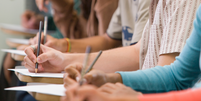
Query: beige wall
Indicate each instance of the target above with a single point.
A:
(10, 12)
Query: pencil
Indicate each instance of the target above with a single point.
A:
(88, 49)
(38, 49)
(45, 29)
(92, 64)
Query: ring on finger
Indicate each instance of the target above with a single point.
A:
(33, 47)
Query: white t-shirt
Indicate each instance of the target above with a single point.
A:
(128, 21)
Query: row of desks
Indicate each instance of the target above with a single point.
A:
(28, 79)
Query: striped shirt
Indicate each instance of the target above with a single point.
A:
(170, 24)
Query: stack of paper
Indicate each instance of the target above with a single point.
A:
(50, 89)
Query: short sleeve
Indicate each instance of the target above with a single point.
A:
(141, 20)
(114, 30)
(178, 25)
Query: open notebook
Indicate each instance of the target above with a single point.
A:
(19, 28)
(49, 89)
(48, 75)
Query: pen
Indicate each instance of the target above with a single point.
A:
(88, 49)
(92, 64)
(38, 49)
(45, 29)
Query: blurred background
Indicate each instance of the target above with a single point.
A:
(10, 12)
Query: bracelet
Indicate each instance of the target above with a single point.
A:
(68, 45)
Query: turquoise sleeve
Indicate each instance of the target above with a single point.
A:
(181, 74)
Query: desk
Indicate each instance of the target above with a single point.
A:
(39, 79)
(17, 57)
(40, 96)
(45, 97)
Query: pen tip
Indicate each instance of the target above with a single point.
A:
(36, 70)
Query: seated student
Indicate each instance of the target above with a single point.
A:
(93, 20)
(181, 74)
(160, 36)
(128, 21)
(33, 21)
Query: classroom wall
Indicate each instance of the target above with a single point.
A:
(10, 12)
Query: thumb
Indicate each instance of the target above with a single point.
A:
(90, 77)
(44, 48)
(72, 72)
(44, 57)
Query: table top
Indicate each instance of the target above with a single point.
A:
(39, 79)
(17, 57)
(45, 97)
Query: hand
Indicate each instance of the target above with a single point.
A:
(91, 93)
(117, 90)
(84, 93)
(58, 44)
(41, 5)
(94, 77)
(49, 60)
(72, 74)
(31, 20)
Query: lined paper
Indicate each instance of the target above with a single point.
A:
(49, 89)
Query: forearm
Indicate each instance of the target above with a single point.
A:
(119, 59)
(154, 80)
(97, 43)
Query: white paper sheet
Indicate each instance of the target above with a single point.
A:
(50, 89)
(19, 41)
(21, 29)
(18, 52)
(27, 73)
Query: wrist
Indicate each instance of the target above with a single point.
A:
(114, 78)
(66, 46)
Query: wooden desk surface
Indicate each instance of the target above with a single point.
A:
(45, 97)
(39, 79)
(13, 32)
(17, 57)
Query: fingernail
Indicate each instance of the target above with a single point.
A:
(34, 61)
(77, 79)
(38, 60)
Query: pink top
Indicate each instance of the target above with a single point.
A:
(185, 95)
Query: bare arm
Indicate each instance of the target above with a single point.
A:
(119, 59)
(97, 43)
(167, 59)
